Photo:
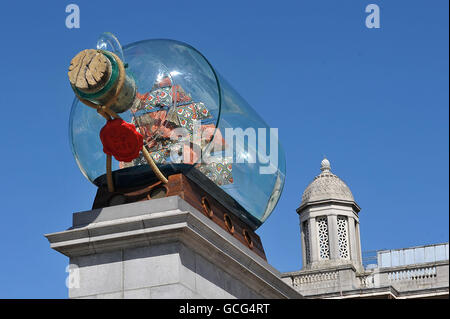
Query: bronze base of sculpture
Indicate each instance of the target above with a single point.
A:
(213, 202)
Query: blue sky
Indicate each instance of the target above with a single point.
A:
(375, 101)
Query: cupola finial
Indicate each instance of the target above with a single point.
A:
(325, 165)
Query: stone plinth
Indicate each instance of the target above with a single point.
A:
(162, 248)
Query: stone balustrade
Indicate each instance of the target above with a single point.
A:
(314, 278)
(413, 274)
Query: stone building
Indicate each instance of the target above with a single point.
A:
(332, 259)
(166, 248)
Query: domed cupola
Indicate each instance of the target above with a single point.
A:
(326, 186)
(329, 222)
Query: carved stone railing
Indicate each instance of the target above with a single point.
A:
(367, 281)
(314, 278)
(413, 274)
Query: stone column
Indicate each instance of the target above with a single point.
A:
(303, 240)
(352, 241)
(333, 237)
(314, 240)
(358, 241)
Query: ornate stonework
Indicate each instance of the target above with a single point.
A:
(342, 237)
(322, 231)
(326, 186)
(332, 265)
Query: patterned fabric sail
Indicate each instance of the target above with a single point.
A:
(156, 122)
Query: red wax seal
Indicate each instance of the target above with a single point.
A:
(121, 140)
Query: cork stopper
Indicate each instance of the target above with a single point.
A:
(89, 71)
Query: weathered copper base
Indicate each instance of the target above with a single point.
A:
(179, 184)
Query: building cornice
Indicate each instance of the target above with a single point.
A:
(330, 201)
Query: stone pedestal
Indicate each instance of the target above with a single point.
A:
(162, 248)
